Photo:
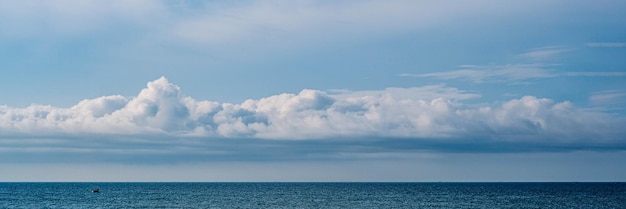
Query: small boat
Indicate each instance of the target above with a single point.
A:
(95, 190)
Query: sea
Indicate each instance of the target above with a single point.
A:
(313, 195)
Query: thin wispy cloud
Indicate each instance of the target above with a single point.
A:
(609, 97)
(415, 93)
(509, 73)
(491, 73)
(69, 19)
(516, 73)
(307, 21)
(606, 44)
(225, 23)
(543, 53)
(593, 74)
(209, 22)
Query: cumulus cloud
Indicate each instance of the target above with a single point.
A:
(432, 112)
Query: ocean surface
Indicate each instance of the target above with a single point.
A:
(313, 195)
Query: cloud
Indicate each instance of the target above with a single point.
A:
(213, 22)
(62, 18)
(278, 20)
(609, 97)
(543, 53)
(160, 115)
(606, 44)
(162, 125)
(594, 74)
(509, 73)
(415, 93)
(491, 73)
(534, 67)
(218, 23)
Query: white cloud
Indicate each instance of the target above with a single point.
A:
(427, 112)
(99, 107)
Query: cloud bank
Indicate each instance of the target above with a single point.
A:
(431, 112)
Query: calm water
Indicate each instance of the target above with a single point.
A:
(313, 195)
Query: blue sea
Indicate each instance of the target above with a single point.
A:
(313, 195)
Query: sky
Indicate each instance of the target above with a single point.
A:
(304, 90)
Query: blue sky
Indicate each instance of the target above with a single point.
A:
(345, 90)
